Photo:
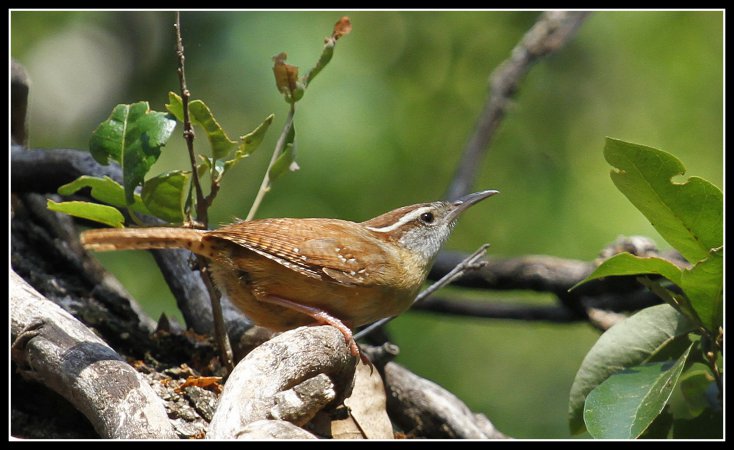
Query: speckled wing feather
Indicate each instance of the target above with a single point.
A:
(334, 254)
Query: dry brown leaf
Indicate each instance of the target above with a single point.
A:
(346, 428)
(341, 28)
(286, 75)
(367, 404)
(211, 383)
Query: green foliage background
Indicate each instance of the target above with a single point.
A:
(384, 125)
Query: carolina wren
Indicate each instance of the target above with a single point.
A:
(285, 273)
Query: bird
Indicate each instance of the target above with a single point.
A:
(283, 273)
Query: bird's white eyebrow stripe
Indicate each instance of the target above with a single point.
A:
(403, 220)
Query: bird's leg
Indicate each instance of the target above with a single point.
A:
(321, 317)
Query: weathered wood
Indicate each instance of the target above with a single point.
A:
(53, 348)
(282, 371)
(424, 409)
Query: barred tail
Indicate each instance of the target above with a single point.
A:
(108, 239)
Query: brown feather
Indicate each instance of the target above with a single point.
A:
(342, 251)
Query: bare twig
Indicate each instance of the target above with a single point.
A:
(188, 134)
(279, 147)
(552, 30)
(202, 206)
(506, 310)
(471, 262)
(44, 171)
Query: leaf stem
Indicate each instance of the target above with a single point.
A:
(279, 146)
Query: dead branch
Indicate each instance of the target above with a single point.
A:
(552, 31)
(308, 366)
(53, 348)
(424, 409)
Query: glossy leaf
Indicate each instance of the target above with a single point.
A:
(660, 426)
(628, 264)
(703, 285)
(631, 342)
(107, 215)
(165, 195)
(678, 301)
(627, 402)
(688, 215)
(133, 136)
(105, 190)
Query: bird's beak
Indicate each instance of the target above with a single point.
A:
(463, 203)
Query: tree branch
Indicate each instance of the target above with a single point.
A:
(52, 347)
(552, 30)
(262, 383)
(44, 171)
(424, 409)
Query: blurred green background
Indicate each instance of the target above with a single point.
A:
(384, 125)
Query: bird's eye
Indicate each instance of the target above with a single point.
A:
(427, 217)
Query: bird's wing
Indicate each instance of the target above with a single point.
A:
(339, 250)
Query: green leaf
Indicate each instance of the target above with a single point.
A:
(175, 106)
(342, 27)
(105, 190)
(688, 215)
(287, 160)
(326, 54)
(694, 386)
(249, 143)
(633, 341)
(201, 115)
(626, 403)
(107, 215)
(165, 195)
(220, 143)
(708, 425)
(660, 426)
(703, 285)
(252, 140)
(628, 264)
(133, 136)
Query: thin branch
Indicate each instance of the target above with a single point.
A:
(279, 147)
(469, 263)
(202, 206)
(45, 170)
(507, 310)
(552, 30)
(188, 134)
